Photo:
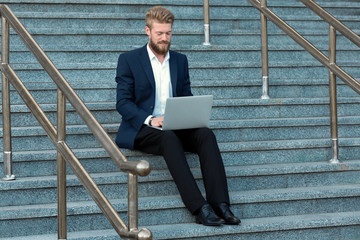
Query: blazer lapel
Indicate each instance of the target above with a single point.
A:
(146, 64)
(173, 73)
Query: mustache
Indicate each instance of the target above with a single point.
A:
(163, 42)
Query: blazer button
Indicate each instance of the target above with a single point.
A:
(151, 107)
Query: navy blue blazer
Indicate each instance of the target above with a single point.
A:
(135, 98)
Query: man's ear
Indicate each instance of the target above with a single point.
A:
(147, 30)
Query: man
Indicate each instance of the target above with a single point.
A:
(145, 78)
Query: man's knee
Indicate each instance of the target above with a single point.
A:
(169, 139)
(205, 133)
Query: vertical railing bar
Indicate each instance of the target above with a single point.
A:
(206, 9)
(264, 53)
(132, 201)
(333, 96)
(61, 166)
(7, 148)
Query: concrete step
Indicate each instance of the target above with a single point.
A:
(135, 3)
(249, 53)
(322, 227)
(277, 42)
(245, 204)
(269, 176)
(262, 205)
(226, 131)
(223, 109)
(141, 6)
(249, 88)
(80, 72)
(245, 20)
(182, 35)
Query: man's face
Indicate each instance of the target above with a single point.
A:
(159, 37)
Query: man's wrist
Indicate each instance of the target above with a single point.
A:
(150, 120)
(146, 122)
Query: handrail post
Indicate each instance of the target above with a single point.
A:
(333, 97)
(7, 150)
(206, 8)
(61, 166)
(132, 202)
(264, 53)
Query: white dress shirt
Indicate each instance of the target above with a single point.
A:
(163, 88)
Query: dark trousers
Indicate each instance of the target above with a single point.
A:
(172, 146)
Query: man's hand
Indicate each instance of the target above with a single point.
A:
(157, 121)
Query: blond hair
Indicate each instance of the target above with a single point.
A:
(158, 14)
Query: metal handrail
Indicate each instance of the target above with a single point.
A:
(206, 8)
(355, 85)
(264, 54)
(57, 136)
(333, 21)
(329, 62)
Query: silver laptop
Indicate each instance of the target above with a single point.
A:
(187, 112)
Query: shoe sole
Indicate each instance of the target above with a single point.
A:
(211, 225)
(232, 223)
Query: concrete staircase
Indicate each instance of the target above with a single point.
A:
(276, 151)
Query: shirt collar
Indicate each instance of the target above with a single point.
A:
(152, 55)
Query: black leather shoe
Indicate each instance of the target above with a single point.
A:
(223, 211)
(207, 216)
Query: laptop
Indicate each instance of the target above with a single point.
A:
(187, 112)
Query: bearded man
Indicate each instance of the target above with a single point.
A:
(145, 78)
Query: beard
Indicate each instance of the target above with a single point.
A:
(162, 50)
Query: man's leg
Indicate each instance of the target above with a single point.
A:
(167, 144)
(203, 142)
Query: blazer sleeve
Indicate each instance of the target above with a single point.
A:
(127, 103)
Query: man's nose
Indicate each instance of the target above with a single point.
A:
(164, 37)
